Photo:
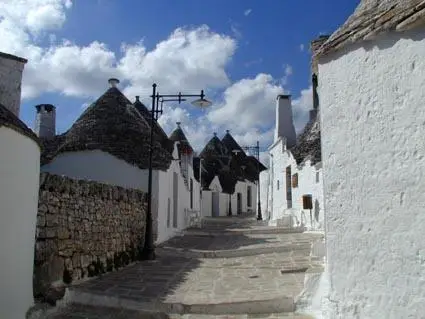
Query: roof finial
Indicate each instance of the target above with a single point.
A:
(137, 98)
(227, 131)
(215, 134)
(178, 124)
(113, 82)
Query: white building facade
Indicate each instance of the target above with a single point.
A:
(19, 183)
(294, 196)
(372, 95)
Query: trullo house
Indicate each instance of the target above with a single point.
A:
(19, 183)
(372, 98)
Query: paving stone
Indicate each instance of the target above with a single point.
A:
(207, 282)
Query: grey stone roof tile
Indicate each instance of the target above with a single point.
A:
(373, 17)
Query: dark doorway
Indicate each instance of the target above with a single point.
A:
(239, 197)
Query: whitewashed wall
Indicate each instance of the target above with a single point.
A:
(373, 128)
(19, 183)
(166, 228)
(99, 166)
(307, 184)
(264, 194)
(206, 203)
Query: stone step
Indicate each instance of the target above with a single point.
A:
(286, 315)
(97, 312)
(240, 252)
(231, 232)
(279, 304)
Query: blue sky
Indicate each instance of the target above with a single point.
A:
(249, 51)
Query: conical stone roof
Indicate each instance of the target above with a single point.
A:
(10, 120)
(160, 135)
(373, 17)
(231, 144)
(114, 125)
(215, 148)
(178, 136)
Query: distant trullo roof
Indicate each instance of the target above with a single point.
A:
(111, 124)
(214, 148)
(373, 17)
(231, 144)
(245, 167)
(158, 131)
(178, 136)
(10, 120)
(308, 143)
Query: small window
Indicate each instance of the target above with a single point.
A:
(317, 177)
(277, 186)
(295, 180)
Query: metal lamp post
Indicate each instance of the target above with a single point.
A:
(200, 186)
(256, 150)
(148, 252)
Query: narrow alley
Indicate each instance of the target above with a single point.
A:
(230, 268)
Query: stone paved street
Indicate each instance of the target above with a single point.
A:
(260, 276)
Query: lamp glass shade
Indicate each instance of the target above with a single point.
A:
(201, 103)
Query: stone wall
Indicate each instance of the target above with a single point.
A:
(85, 228)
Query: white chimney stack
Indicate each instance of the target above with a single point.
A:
(284, 121)
(11, 68)
(45, 121)
(113, 83)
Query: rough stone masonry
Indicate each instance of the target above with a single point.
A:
(84, 229)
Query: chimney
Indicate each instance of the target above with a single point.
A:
(45, 121)
(284, 122)
(113, 83)
(11, 68)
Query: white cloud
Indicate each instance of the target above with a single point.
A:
(287, 73)
(247, 12)
(248, 104)
(34, 15)
(189, 59)
(302, 47)
(301, 107)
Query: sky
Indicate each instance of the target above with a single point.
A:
(243, 53)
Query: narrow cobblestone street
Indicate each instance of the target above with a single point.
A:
(231, 268)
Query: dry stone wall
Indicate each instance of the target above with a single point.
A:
(84, 229)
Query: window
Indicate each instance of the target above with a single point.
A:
(169, 213)
(249, 196)
(277, 185)
(191, 193)
(295, 180)
(317, 177)
(288, 187)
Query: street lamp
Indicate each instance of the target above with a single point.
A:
(148, 252)
(256, 150)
